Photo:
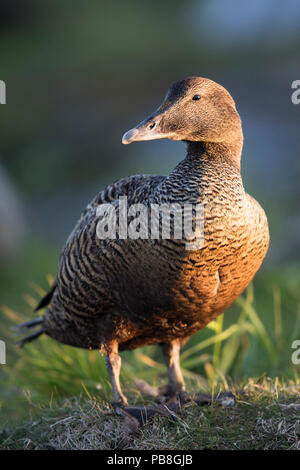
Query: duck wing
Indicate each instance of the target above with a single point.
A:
(136, 187)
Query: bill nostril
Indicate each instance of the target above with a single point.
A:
(152, 125)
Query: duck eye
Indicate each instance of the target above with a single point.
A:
(152, 125)
(196, 97)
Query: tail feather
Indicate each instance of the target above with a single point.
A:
(30, 338)
(28, 324)
(47, 299)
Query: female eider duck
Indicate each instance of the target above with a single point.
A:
(118, 293)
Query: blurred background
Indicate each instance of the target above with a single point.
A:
(78, 75)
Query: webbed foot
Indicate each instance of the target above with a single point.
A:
(178, 399)
(143, 414)
(223, 398)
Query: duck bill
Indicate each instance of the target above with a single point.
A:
(149, 129)
(139, 134)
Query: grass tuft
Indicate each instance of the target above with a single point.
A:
(262, 419)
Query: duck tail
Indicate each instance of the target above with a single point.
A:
(31, 324)
(47, 298)
(28, 325)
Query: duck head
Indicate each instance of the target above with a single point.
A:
(194, 110)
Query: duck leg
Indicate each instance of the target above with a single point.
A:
(171, 352)
(175, 389)
(113, 363)
(139, 413)
(174, 394)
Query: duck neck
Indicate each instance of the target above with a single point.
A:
(216, 151)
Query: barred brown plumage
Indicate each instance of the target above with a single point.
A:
(117, 294)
